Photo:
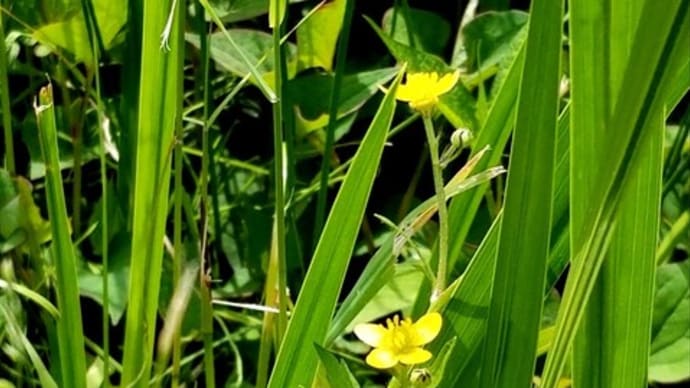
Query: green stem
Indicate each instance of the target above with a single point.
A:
(279, 204)
(90, 18)
(672, 238)
(442, 270)
(5, 101)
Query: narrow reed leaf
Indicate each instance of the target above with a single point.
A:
(639, 100)
(159, 112)
(523, 248)
(297, 361)
(613, 344)
(69, 324)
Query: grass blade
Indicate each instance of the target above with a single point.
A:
(297, 360)
(639, 101)
(158, 112)
(69, 324)
(515, 310)
(612, 346)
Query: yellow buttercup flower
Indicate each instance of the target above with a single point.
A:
(422, 90)
(399, 341)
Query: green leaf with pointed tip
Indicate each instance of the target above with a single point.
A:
(238, 10)
(297, 359)
(71, 35)
(405, 23)
(492, 36)
(311, 92)
(254, 44)
(523, 248)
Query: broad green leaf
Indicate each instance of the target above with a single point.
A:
(492, 36)
(91, 282)
(256, 47)
(71, 35)
(238, 10)
(523, 248)
(311, 92)
(21, 218)
(404, 23)
(669, 361)
(317, 37)
(258, 78)
(296, 361)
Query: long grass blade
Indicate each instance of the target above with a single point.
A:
(297, 359)
(69, 324)
(637, 107)
(520, 273)
(158, 113)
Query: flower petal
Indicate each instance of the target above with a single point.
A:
(415, 356)
(370, 333)
(427, 328)
(446, 83)
(382, 359)
(406, 93)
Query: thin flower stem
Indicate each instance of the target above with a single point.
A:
(442, 270)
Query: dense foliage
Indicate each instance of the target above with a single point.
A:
(344, 193)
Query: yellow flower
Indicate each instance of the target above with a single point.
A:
(399, 341)
(421, 90)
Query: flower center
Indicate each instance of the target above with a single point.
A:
(400, 335)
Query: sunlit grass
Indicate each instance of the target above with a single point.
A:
(254, 187)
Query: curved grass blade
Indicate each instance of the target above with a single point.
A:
(523, 249)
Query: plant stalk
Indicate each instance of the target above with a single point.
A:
(442, 271)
